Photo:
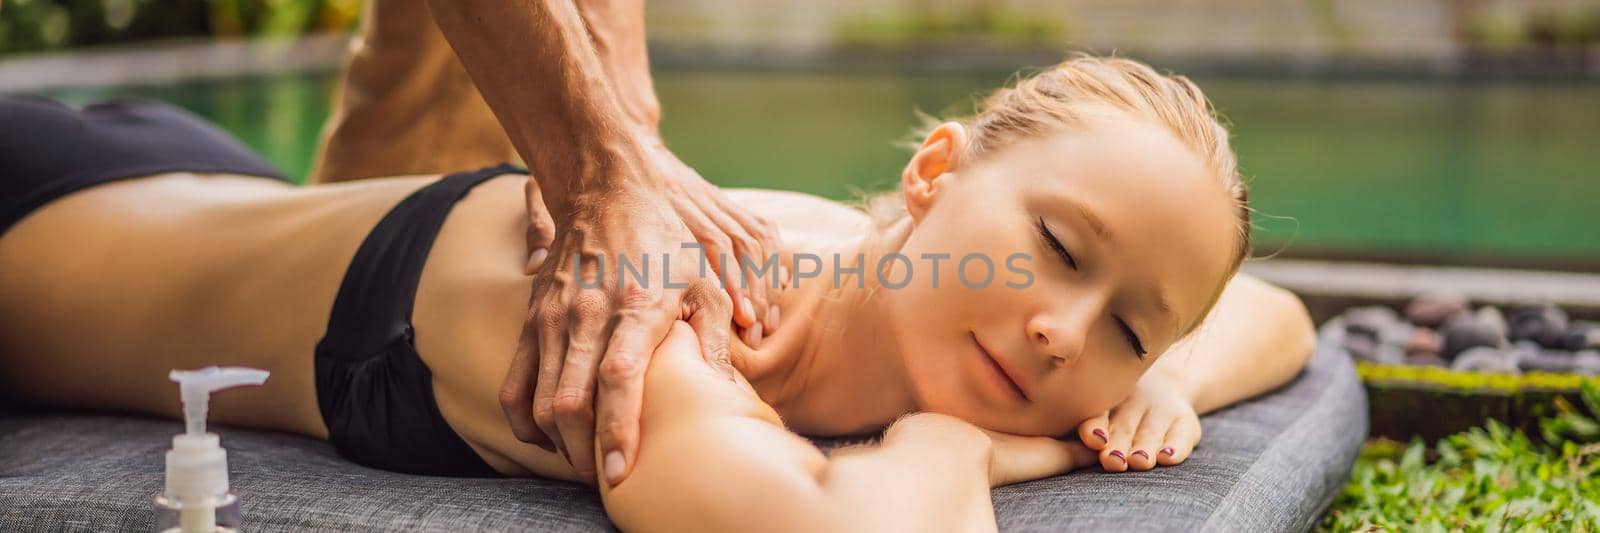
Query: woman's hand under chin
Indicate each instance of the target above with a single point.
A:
(1156, 425)
(1016, 458)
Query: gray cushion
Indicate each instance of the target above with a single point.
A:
(1270, 464)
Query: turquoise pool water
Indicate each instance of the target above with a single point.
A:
(1374, 169)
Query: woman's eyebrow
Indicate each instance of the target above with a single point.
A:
(1158, 294)
(1096, 224)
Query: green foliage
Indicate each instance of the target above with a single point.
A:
(1407, 401)
(1443, 378)
(32, 25)
(1489, 478)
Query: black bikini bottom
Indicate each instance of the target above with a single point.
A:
(375, 392)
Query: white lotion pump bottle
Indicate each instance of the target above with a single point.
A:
(197, 498)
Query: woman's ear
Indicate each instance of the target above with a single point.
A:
(939, 155)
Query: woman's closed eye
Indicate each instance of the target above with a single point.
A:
(1066, 256)
(1055, 244)
(1133, 338)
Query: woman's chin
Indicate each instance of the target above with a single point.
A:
(985, 417)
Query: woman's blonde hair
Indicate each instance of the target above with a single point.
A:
(1065, 94)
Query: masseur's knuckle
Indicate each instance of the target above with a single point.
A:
(612, 430)
(551, 316)
(709, 296)
(544, 412)
(589, 306)
(543, 226)
(514, 399)
(572, 406)
(619, 370)
(580, 348)
(633, 297)
(558, 281)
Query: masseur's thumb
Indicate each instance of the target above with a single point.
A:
(541, 228)
(710, 314)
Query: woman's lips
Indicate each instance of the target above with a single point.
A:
(999, 369)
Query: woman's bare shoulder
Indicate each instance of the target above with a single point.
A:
(803, 215)
(680, 382)
(699, 426)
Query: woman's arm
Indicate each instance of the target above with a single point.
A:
(1257, 337)
(713, 457)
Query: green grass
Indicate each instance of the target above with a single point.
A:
(1489, 478)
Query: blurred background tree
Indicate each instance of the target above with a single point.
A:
(35, 25)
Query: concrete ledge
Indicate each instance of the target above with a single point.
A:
(1328, 287)
(169, 61)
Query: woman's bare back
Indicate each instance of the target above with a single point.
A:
(108, 287)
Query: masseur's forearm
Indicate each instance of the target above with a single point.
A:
(535, 64)
(617, 30)
(1257, 337)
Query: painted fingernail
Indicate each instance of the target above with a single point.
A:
(1141, 452)
(772, 316)
(614, 466)
(746, 308)
(538, 256)
(1102, 434)
(1169, 452)
(1118, 455)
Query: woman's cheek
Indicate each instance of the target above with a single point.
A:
(1106, 391)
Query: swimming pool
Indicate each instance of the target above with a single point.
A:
(1457, 172)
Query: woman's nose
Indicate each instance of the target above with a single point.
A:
(1058, 336)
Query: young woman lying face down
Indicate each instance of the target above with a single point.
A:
(1113, 182)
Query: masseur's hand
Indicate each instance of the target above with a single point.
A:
(569, 83)
(1156, 425)
(594, 339)
(723, 230)
(728, 232)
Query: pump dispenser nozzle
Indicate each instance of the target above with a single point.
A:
(197, 466)
(197, 386)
